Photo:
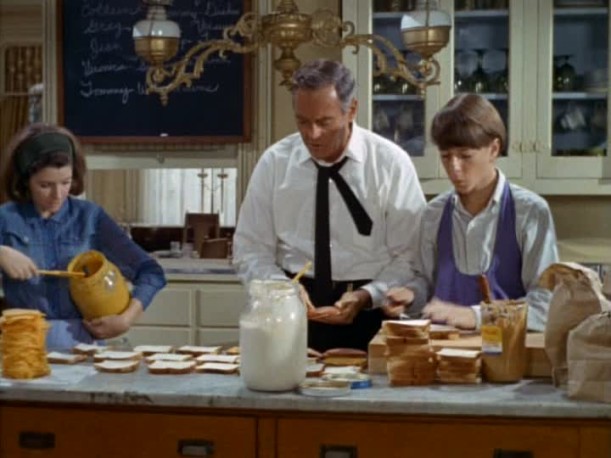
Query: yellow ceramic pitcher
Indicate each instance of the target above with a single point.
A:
(102, 291)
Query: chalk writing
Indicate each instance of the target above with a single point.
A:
(104, 79)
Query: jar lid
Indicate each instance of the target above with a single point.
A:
(356, 380)
(324, 388)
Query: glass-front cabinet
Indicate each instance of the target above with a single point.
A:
(542, 63)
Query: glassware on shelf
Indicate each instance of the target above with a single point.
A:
(500, 82)
(564, 74)
(479, 81)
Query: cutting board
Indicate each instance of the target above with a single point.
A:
(537, 364)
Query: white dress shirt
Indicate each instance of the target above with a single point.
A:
(473, 238)
(275, 227)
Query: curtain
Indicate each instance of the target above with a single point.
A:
(167, 194)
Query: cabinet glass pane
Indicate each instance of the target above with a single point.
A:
(579, 122)
(481, 51)
(398, 112)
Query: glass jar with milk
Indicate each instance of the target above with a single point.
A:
(273, 337)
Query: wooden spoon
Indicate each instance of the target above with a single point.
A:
(484, 287)
(62, 273)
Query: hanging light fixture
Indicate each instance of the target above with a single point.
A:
(425, 31)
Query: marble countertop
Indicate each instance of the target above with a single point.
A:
(81, 384)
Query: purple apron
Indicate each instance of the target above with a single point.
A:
(505, 270)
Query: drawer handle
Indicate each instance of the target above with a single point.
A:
(195, 447)
(32, 440)
(501, 453)
(338, 451)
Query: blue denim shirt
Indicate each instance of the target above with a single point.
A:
(79, 226)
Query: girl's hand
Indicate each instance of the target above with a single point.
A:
(16, 264)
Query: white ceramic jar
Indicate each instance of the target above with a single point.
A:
(273, 337)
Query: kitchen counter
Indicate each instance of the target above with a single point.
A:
(81, 384)
(193, 269)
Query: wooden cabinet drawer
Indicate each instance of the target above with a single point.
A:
(311, 438)
(94, 433)
(160, 335)
(221, 305)
(171, 307)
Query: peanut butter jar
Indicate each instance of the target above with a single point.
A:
(503, 332)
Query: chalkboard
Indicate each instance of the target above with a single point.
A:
(101, 86)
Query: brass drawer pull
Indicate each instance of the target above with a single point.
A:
(195, 447)
(338, 451)
(32, 440)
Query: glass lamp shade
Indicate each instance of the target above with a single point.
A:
(156, 41)
(426, 32)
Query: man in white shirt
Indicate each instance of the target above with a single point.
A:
(340, 196)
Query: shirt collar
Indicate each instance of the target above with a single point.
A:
(31, 213)
(354, 150)
(496, 195)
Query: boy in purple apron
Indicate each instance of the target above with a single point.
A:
(485, 225)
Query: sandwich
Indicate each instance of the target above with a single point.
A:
(218, 368)
(55, 357)
(168, 357)
(117, 355)
(117, 367)
(171, 367)
(199, 350)
(147, 350)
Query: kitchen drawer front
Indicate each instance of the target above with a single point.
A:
(218, 336)
(221, 305)
(362, 439)
(117, 434)
(160, 335)
(172, 306)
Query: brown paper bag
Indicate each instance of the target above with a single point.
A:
(576, 295)
(589, 359)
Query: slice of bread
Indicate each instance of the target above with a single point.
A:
(55, 357)
(147, 350)
(344, 352)
(232, 351)
(314, 353)
(168, 357)
(230, 359)
(171, 367)
(117, 356)
(218, 368)
(117, 367)
(341, 370)
(315, 370)
(458, 353)
(344, 361)
(88, 349)
(199, 350)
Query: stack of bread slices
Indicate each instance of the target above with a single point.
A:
(410, 359)
(455, 365)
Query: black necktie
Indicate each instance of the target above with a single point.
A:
(322, 251)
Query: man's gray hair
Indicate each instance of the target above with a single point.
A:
(321, 73)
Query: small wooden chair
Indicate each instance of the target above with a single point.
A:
(218, 248)
(199, 226)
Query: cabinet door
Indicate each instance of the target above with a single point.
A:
(220, 305)
(328, 438)
(45, 432)
(387, 106)
(488, 60)
(573, 86)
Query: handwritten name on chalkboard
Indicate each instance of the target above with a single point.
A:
(102, 92)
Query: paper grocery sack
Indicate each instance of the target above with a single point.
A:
(589, 359)
(576, 295)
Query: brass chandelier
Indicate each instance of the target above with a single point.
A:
(425, 31)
